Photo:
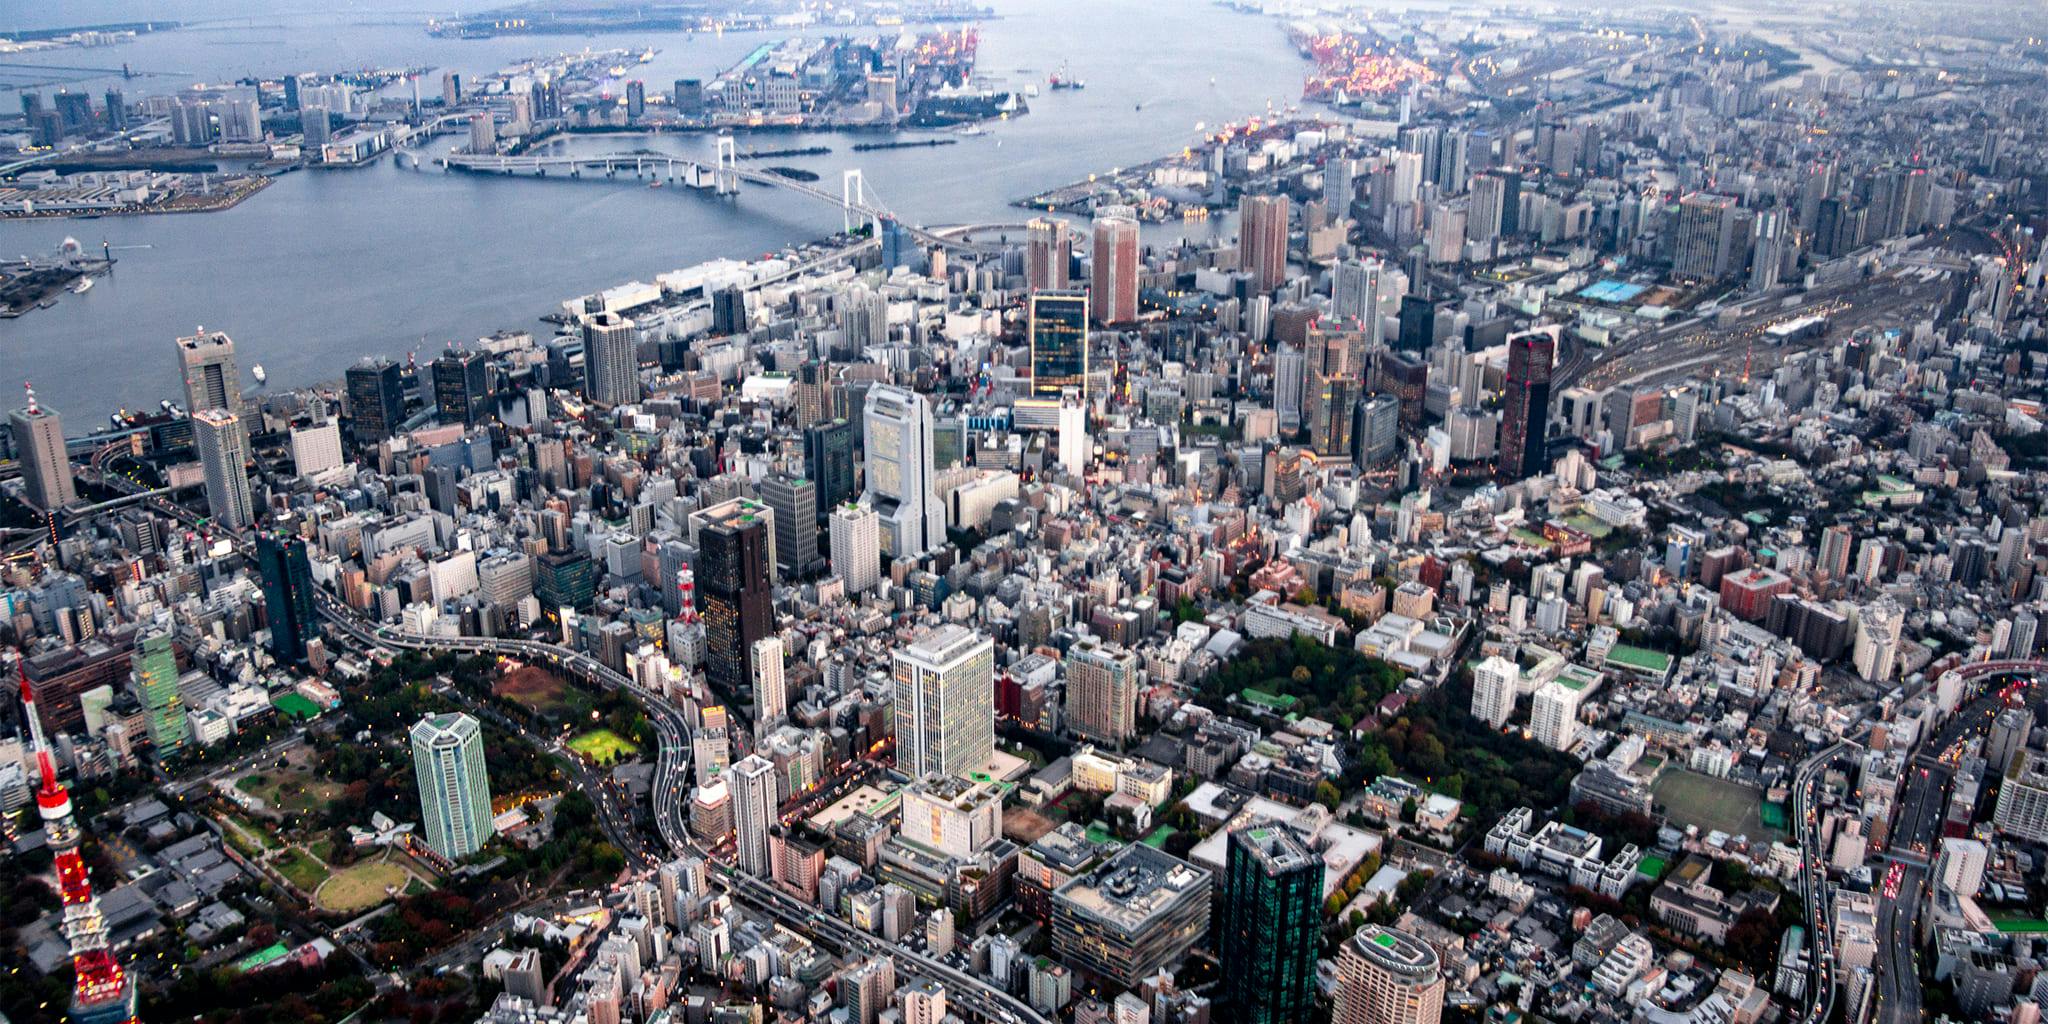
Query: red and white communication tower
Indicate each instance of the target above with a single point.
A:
(101, 992)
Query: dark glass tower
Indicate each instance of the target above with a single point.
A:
(376, 399)
(1059, 343)
(460, 386)
(1525, 415)
(287, 595)
(1267, 934)
(828, 458)
(736, 592)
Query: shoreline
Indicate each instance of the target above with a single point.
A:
(216, 204)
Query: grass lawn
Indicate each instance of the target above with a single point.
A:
(323, 848)
(1690, 798)
(2018, 925)
(300, 869)
(290, 791)
(245, 836)
(359, 887)
(603, 746)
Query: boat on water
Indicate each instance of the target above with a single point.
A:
(257, 372)
(970, 129)
(1062, 80)
(84, 285)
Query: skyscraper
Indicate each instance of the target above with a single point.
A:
(461, 385)
(1270, 926)
(153, 674)
(1115, 265)
(795, 501)
(1388, 977)
(1418, 324)
(1355, 297)
(1262, 240)
(375, 391)
(45, 466)
(1525, 411)
(611, 366)
(856, 547)
(1102, 692)
(945, 702)
(455, 790)
(287, 595)
(1706, 236)
(771, 693)
(1059, 343)
(1048, 254)
(752, 779)
(224, 457)
(899, 471)
(828, 460)
(1494, 683)
(211, 379)
(733, 577)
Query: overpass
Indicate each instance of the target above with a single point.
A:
(855, 200)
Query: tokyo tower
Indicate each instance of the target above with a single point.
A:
(101, 992)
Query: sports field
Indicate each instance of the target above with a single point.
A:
(359, 887)
(603, 746)
(1690, 798)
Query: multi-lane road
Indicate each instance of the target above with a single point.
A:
(1813, 883)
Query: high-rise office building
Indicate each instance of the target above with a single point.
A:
(899, 471)
(287, 595)
(828, 460)
(1495, 682)
(1115, 265)
(455, 790)
(795, 501)
(375, 389)
(224, 456)
(771, 687)
(1331, 400)
(45, 465)
(1102, 692)
(1355, 297)
(1388, 977)
(1059, 343)
(1270, 925)
(461, 385)
(1048, 254)
(611, 363)
(1706, 236)
(1418, 324)
(945, 702)
(1525, 411)
(211, 379)
(752, 779)
(1376, 434)
(856, 547)
(736, 588)
(1262, 240)
(153, 673)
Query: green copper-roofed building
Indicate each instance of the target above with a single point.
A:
(1271, 914)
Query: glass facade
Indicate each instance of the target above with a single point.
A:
(1059, 343)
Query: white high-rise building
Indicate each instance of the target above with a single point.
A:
(753, 810)
(224, 457)
(316, 448)
(1878, 625)
(1355, 296)
(455, 790)
(945, 703)
(1388, 977)
(611, 363)
(899, 471)
(856, 542)
(952, 815)
(924, 1002)
(771, 698)
(1494, 683)
(1962, 863)
(1554, 713)
(1073, 435)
